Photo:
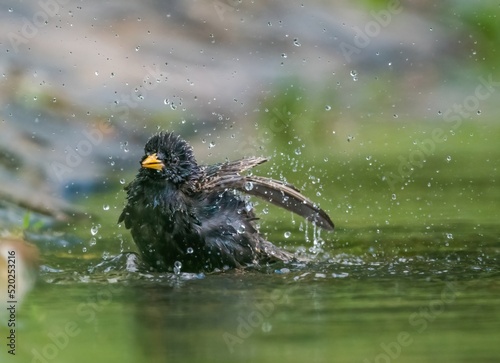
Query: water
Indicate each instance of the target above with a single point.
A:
(347, 311)
(419, 305)
(413, 278)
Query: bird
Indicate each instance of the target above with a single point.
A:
(194, 218)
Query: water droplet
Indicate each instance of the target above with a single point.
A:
(448, 158)
(449, 235)
(124, 146)
(84, 249)
(296, 42)
(248, 206)
(211, 145)
(287, 234)
(94, 230)
(241, 229)
(92, 241)
(177, 267)
(354, 75)
(283, 55)
(350, 138)
(266, 327)
(393, 197)
(297, 151)
(122, 181)
(189, 250)
(265, 210)
(248, 185)
(105, 207)
(328, 107)
(340, 275)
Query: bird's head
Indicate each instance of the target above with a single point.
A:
(169, 157)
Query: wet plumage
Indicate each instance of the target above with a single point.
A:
(179, 211)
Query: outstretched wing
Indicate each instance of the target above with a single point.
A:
(227, 176)
(213, 172)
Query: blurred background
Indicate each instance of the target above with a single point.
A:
(384, 112)
(84, 84)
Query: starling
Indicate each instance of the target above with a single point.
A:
(193, 217)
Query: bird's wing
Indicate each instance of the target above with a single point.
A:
(226, 176)
(231, 167)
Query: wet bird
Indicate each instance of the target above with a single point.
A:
(193, 217)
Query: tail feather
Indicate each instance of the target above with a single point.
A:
(274, 253)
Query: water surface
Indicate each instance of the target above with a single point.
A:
(411, 275)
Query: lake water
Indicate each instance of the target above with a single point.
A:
(410, 275)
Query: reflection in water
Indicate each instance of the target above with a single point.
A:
(250, 316)
(222, 313)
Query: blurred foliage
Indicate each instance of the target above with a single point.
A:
(480, 22)
(378, 4)
(297, 118)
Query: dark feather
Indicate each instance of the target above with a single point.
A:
(181, 213)
(231, 168)
(279, 193)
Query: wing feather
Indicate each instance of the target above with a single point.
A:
(227, 176)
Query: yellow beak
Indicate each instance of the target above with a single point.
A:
(152, 162)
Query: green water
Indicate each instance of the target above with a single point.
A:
(410, 275)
